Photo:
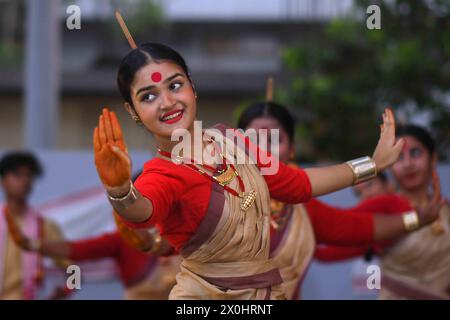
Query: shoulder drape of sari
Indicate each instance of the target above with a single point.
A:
(293, 248)
(418, 266)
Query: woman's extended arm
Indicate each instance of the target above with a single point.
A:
(295, 185)
(332, 178)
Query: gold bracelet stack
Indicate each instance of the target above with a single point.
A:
(125, 201)
(411, 221)
(363, 169)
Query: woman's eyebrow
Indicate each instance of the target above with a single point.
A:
(165, 81)
(144, 89)
(173, 77)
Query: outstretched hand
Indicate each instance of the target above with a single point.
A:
(111, 156)
(388, 149)
(430, 212)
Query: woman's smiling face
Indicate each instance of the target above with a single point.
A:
(163, 98)
(414, 165)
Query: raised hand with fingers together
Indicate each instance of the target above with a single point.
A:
(111, 156)
(388, 149)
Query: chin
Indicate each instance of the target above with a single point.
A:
(411, 184)
(177, 126)
(167, 132)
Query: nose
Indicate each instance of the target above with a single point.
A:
(167, 100)
(407, 161)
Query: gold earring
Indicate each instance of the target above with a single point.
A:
(136, 118)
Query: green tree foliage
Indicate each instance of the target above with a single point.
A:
(348, 74)
(11, 31)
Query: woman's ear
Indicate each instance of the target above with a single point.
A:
(132, 112)
(192, 85)
(129, 108)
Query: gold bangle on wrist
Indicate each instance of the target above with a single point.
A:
(363, 169)
(125, 201)
(411, 221)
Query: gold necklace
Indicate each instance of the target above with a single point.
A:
(227, 173)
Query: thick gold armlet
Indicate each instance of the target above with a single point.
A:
(411, 221)
(363, 169)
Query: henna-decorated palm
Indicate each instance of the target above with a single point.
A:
(16, 233)
(111, 156)
(430, 212)
(388, 149)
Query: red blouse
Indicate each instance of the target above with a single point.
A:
(348, 240)
(133, 264)
(180, 195)
(339, 226)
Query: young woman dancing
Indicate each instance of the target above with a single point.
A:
(296, 229)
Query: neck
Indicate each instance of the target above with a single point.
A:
(191, 141)
(16, 206)
(166, 143)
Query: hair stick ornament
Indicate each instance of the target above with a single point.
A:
(125, 30)
(269, 90)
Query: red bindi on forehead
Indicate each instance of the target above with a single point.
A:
(406, 146)
(156, 77)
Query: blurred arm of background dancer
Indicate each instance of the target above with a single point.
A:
(387, 227)
(65, 249)
(139, 239)
(388, 224)
(143, 240)
(328, 179)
